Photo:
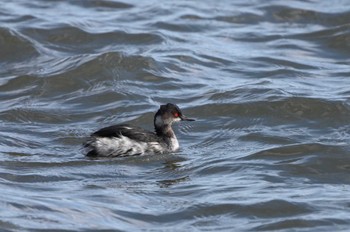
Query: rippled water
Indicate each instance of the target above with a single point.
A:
(268, 82)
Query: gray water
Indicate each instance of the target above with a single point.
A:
(267, 81)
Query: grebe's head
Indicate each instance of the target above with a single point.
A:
(169, 113)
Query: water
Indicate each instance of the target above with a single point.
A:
(268, 82)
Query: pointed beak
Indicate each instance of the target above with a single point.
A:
(184, 118)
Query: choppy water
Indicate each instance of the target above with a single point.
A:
(268, 82)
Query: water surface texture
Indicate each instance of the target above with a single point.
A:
(268, 82)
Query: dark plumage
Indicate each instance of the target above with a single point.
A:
(126, 140)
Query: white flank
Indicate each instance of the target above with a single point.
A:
(124, 146)
(121, 146)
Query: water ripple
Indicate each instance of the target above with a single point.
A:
(267, 82)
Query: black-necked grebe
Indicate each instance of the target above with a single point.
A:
(126, 140)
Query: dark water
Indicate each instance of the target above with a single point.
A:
(268, 82)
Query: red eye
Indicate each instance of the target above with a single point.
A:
(176, 114)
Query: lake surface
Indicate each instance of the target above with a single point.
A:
(267, 81)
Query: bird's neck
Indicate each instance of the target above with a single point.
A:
(164, 130)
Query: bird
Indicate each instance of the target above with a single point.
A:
(124, 140)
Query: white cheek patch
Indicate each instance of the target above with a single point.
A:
(159, 121)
